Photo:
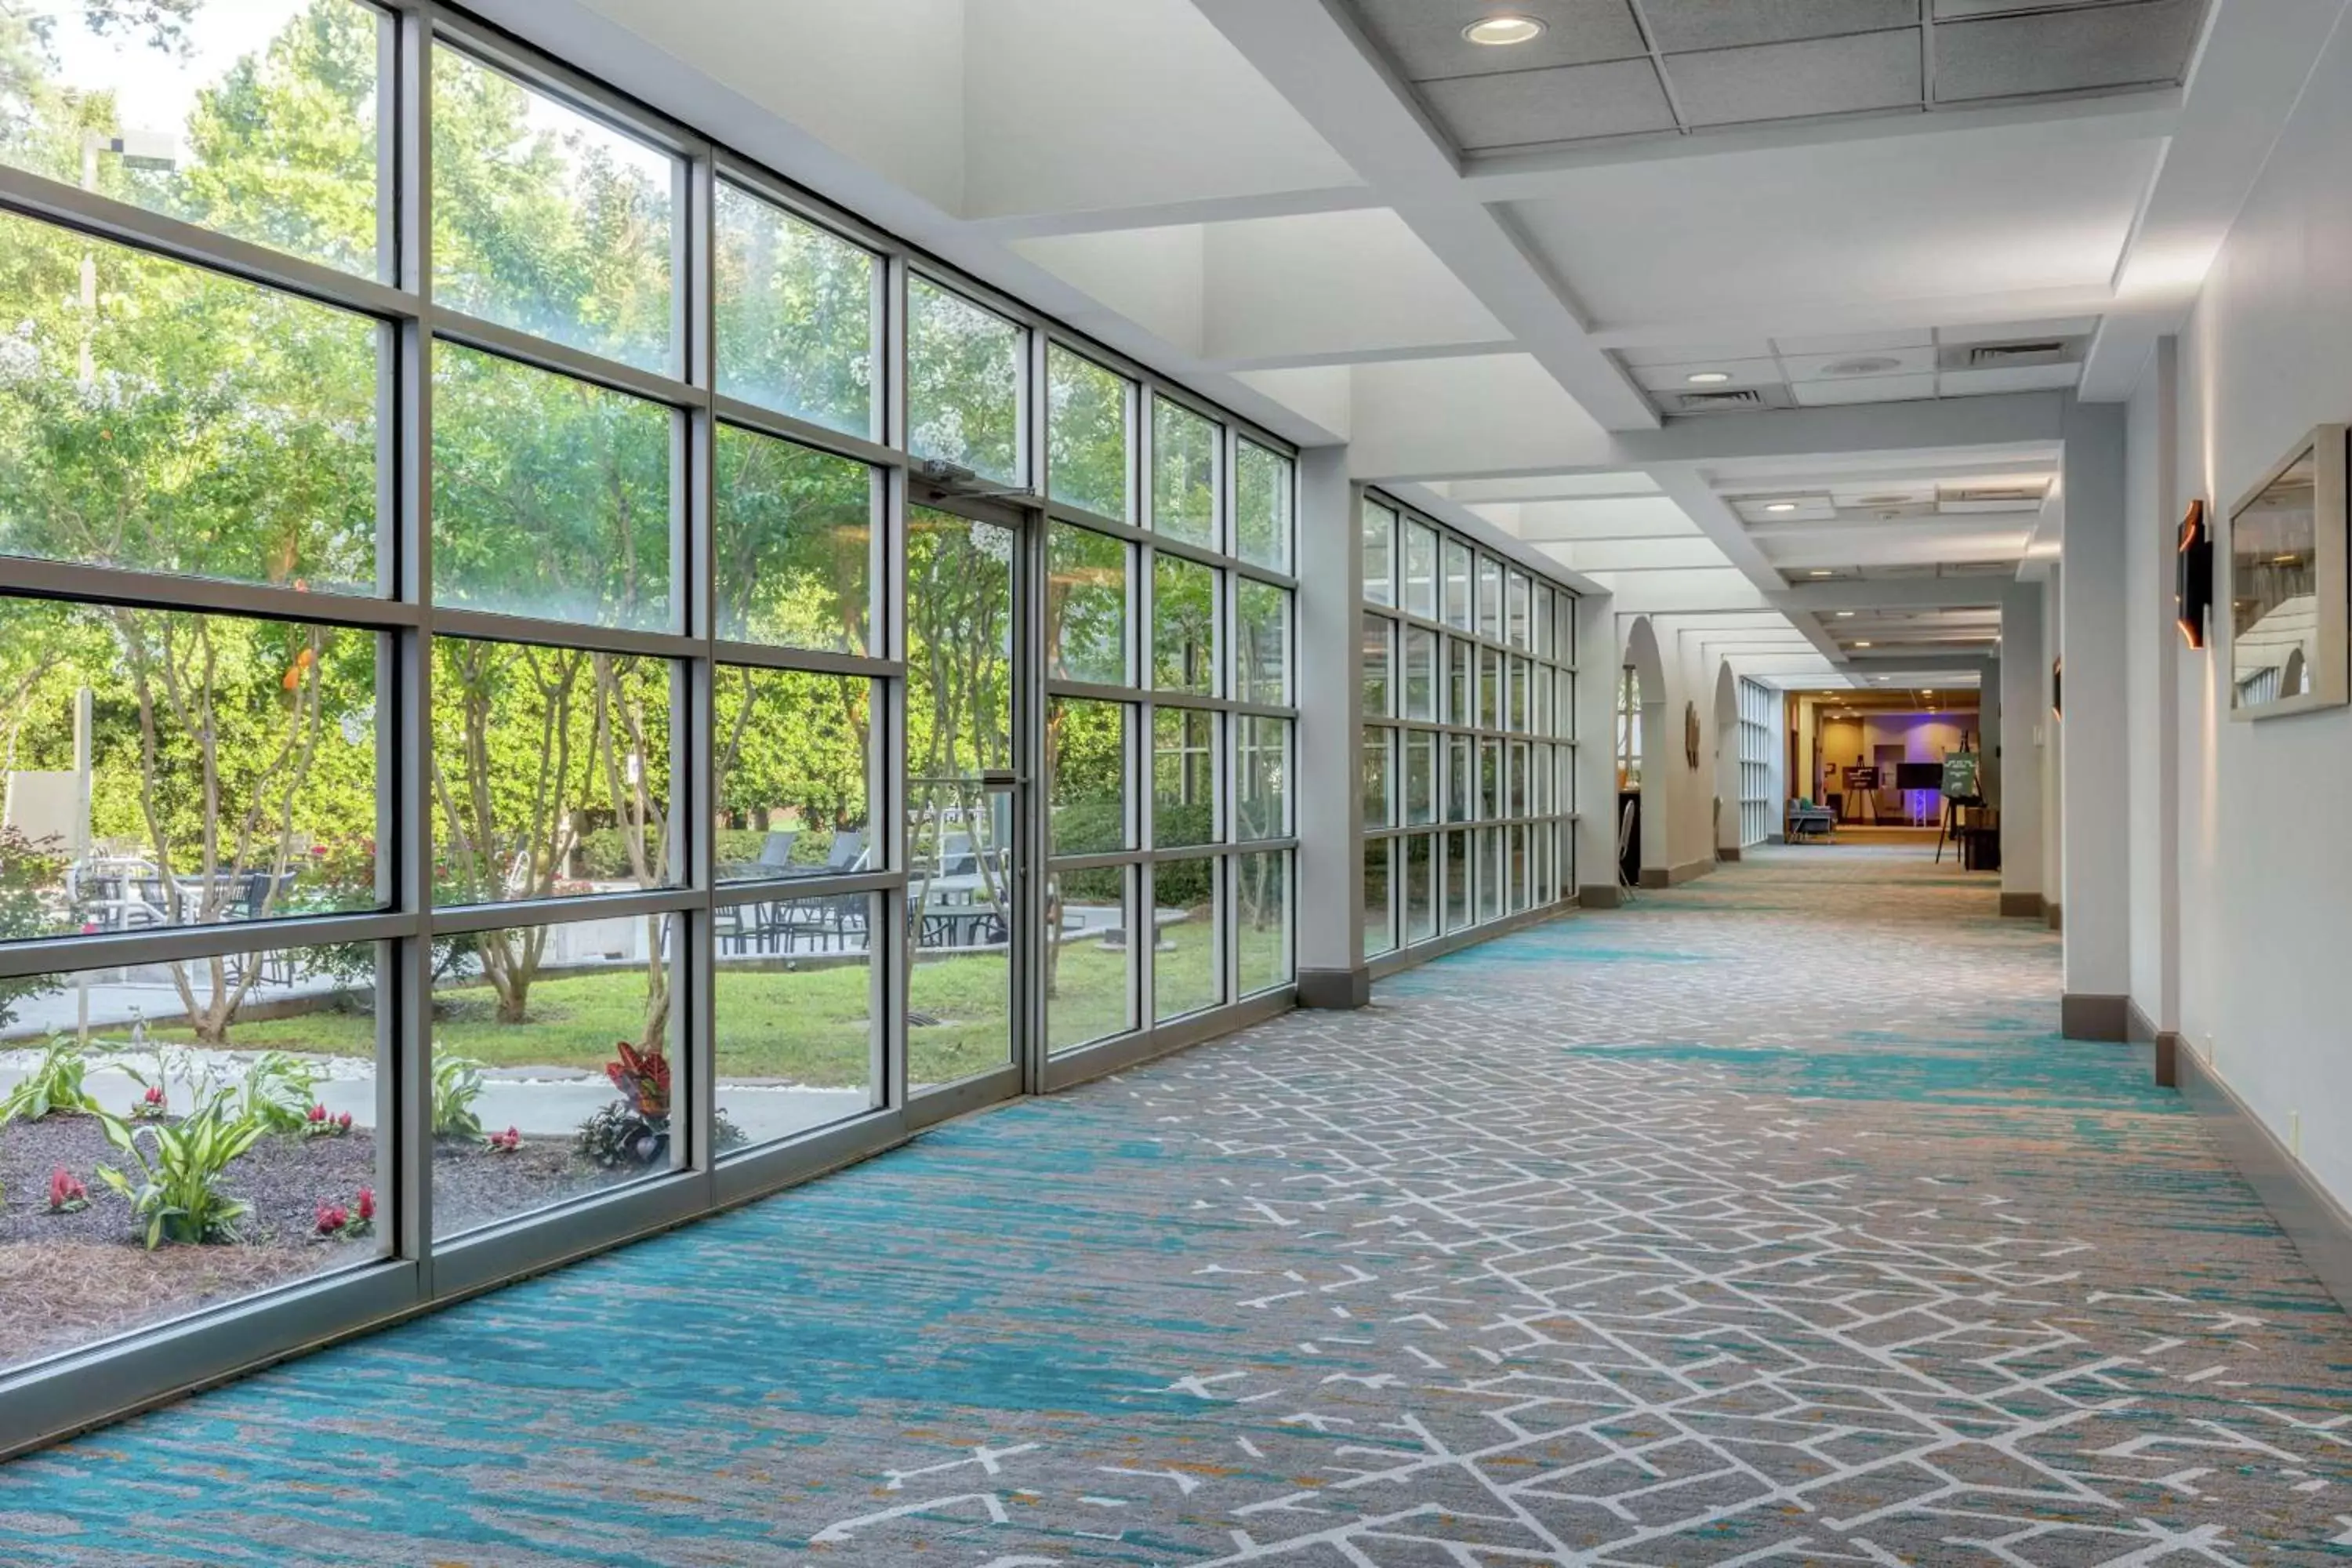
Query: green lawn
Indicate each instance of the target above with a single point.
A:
(807, 1027)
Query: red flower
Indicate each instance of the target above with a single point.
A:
(317, 1113)
(344, 1121)
(154, 1095)
(506, 1143)
(66, 1192)
(332, 1217)
(366, 1205)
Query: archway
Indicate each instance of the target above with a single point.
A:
(1727, 834)
(1647, 750)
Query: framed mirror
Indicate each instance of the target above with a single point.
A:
(2287, 586)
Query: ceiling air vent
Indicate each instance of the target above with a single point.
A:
(2004, 356)
(1868, 364)
(1746, 398)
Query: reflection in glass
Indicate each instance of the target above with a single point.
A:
(795, 306)
(1261, 643)
(793, 543)
(1183, 474)
(531, 744)
(300, 1031)
(1420, 888)
(1086, 766)
(1183, 626)
(1380, 908)
(791, 752)
(1420, 777)
(1089, 956)
(1262, 921)
(181, 422)
(1085, 605)
(1184, 962)
(550, 497)
(1379, 642)
(233, 769)
(1378, 805)
(259, 119)
(1183, 777)
(546, 220)
(1261, 777)
(540, 1064)
(792, 1014)
(963, 383)
(1264, 488)
(2275, 611)
(1086, 433)
(1378, 525)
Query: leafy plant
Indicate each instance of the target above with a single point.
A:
(644, 1077)
(505, 1143)
(620, 1135)
(348, 1223)
(457, 1084)
(67, 1193)
(317, 1123)
(175, 1193)
(26, 868)
(278, 1091)
(54, 1086)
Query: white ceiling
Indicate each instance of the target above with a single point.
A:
(1487, 270)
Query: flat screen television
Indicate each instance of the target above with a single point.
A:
(1918, 776)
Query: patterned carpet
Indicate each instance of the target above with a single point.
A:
(1764, 1222)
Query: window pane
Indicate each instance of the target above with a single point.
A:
(1517, 869)
(1420, 889)
(796, 314)
(1378, 805)
(1517, 607)
(186, 423)
(546, 220)
(1564, 629)
(1090, 957)
(1460, 777)
(1521, 715)
(1457, 585)
(1184, 625)
(1085, 605)
(1541, 638)
(258, 119)
(1380, 554)
(1459, 707)
(1184, 964)
(1086, 433)
(1490, 780)
(963, 383)
(1490, 689)
(1460, 876)
(1263, 496)
(1421, 569)
(233, 769)
(1262, 772)
(791, 753)
(522, 1006)
(1262, 921)
(1262, 643)
(1379, 911)
(550, 497)
(1420, 777)
(114, 1038)
(1490, 598)
(1183, 474)
(1183, 777)
(1379, 644)
(530, 746)
(792, 542)
(1490, 874)
(1420, 673)
(1086, 762)
(1518, 790)
(792, 1015)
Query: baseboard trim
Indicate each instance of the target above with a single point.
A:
(2053, 917)
(1335, 990)
(1600, 896)
(2021, 906)
(2141, 1030)
(2314, 1221)
(2083, 1015)
(1656, 878)
(1691, 871)
(1728, 853)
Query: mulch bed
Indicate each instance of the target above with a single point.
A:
(67, 1279)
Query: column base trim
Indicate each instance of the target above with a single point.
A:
(2314, 1221)
(1335, 990)
(1659, 877)
(2053, 917)
(2021, 906)
(1730, 854)
(1600, 896)
(2166, 1044)
(2083, 1015)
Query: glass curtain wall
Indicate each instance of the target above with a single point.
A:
(1759, 722)
(1469, 740)
(474, 676)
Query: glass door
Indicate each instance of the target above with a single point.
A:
(967, 799)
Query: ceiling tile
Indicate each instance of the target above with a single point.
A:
(1881, 361)
(1713, 24)
(1856, 342)
(2065, 51)
(1677, 378)
(1953, 10)
(1685, 353)
(1422, 38)
(1864, 389)
(1783, 81)
(1569, 104)
(2009, 378)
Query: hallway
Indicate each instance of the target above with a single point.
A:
(1764, 1221)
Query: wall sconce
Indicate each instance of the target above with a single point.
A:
(2192, 575)
(2057, 683)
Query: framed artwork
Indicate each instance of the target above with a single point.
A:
(2286, 586)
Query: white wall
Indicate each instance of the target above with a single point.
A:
(2151, 696)
(2265, 849)
(2095, 782)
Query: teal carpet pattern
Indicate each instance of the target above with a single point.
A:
(1766, 1221)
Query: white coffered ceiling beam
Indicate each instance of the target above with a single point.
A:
(1893, 594)
(1317, 58)
(1870, 666)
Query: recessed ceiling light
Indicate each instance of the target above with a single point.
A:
(1497, 31)
(1781, 506)
(1845, 615)
(1819, 571)
(1707, 377)
(1861, 645)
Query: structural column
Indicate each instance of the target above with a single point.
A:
(1331, 806)
(1599, 668)
(2017, 743)
(2094, 778)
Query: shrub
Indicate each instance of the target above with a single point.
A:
(457, 1084)
(175, 1193)
(27, 869)
(54, 1086)
(617, 1136)
(644, 1077)
(280, 1092)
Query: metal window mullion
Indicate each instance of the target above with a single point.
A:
(491, 625)
(694, 783)
(32, 578)
(812, 661)
(885, 782)
(544, 73)
(189, 944)
(561, 358)
(567, 909)
(769, 422)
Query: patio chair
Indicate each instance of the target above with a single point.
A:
(776, 851)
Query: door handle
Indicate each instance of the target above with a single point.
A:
(997, 780)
